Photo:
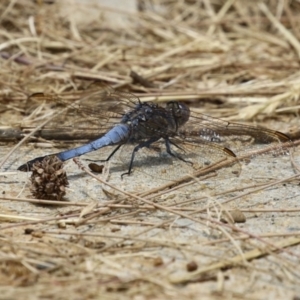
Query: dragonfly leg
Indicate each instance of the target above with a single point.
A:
(112, 154)
(137, 148)
(172, 143)
(169, 151)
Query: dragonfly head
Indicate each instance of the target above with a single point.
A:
(180, 112)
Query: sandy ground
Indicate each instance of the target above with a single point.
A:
(144, 236)
(132, 252)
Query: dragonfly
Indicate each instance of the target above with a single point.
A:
(170, 134)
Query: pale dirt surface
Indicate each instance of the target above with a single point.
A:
(140, 237)
(181, 241)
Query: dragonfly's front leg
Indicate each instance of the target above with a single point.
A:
(137, 148)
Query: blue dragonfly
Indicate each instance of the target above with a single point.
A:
(170, 131)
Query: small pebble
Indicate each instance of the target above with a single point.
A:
(158, 261)
(96, 168)
(191, 266)
(233, 216)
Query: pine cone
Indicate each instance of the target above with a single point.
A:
(48, 179)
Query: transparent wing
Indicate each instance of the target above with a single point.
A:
(89, 114)
(239, 138)
(203, 141)
(84, 116)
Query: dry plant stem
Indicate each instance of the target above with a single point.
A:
(162, 242)
(256, 253)
(259, 189)
(146, 201)
(209, 206)
(257, 237)
(246, 237)
(147, 207)
(257, 186)
(29, 135)
(220, 165)
(287, 34)
(204, 209)
(228, 59)
(139, 79)
(255, 210)
(163, 224)
(110, 219)
(213, 221)
(262, 186)
(23, 141)
(291, 20)
(92, 216)
(193, 212)
(159, 242)
(40, 201)
(183, 203)
(140, 223)
(295, 166)
(83, 168)
(39, 222)
(88, 216)
(15, 218)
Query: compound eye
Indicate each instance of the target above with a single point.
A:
(183, 113)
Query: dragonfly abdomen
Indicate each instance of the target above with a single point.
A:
(117, 135)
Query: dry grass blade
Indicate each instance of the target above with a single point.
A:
(141, 236)
(256, 253)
